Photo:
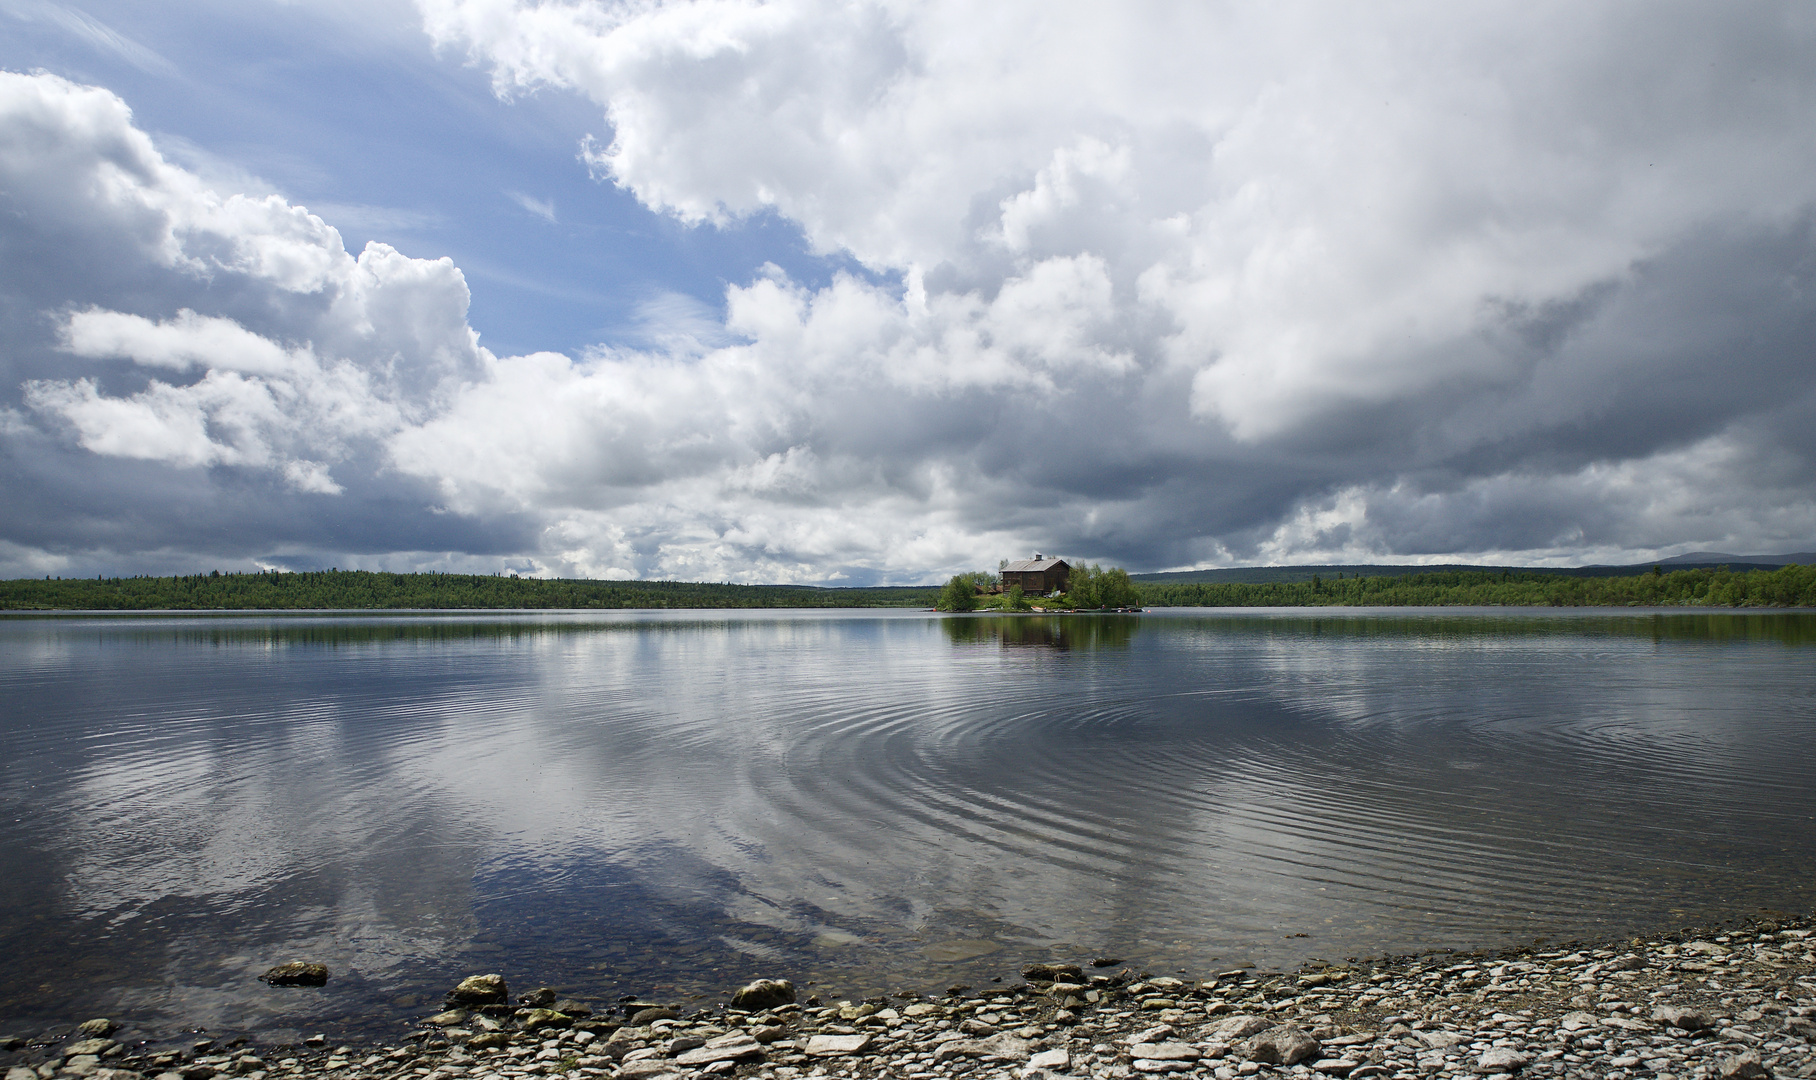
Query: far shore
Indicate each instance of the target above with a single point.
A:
(361, 590)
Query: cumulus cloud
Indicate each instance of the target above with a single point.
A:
(1154, 284)
(1263, 265)
(227, 341)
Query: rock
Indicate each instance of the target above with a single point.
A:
(451, 1018)
(1577, 1021)
(1502, 1059)
(1165, 1051)
(297, 973)
(490, 1040)
(733, 1047)
(764, 994)
(540, 998)
(480, 990)
(1438, 1040)
(1057, 1060)
(537, 1019)
(1801, 1027)
(1287, 1044)
(570, 1007)
(1000, 1047)
(837, 1045)
(96, 1047)
(1232, 1028)
(18, 1073)
(115, 1074)
(1678, 1016)
(1745, 1066)
(768, 1033)
(1071, 973)
(1105, 961)
(98, 1028)
(648, 1070)
(646, 1017)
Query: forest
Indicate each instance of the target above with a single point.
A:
(1791, 586)
(379, 590)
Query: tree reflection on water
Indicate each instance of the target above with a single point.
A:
(1061, 632)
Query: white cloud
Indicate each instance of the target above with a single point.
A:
(542, 208)
(91, 32)
(184, 342)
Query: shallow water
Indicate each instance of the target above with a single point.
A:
(667, 804)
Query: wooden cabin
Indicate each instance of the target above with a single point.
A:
(1037, 576)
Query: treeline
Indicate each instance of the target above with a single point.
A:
(363, 589)
(1791, 586)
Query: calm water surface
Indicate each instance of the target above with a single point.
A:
(669, 803)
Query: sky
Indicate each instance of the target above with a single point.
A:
(873, 293)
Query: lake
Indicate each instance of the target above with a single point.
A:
(668, 804)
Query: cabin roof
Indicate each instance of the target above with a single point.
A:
(1034, 566)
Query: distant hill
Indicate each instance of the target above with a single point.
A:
(1717, 558)
(1707, 560)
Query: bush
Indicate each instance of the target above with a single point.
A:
(958, 595)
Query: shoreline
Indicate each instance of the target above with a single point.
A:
(1734, 1004)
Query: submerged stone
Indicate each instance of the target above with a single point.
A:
(297, 973)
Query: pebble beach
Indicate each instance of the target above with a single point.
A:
(1733, 1005)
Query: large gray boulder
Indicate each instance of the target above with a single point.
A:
(1231, 1028)
(1287, 1044)
(764, 994)
(480, 990)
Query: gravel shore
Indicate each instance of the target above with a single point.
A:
(1734, 1005)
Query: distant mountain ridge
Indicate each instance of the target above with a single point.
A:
(1259, 574)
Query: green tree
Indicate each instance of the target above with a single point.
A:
(1092, 587)
(1114, 589)
(960, 594)
(1082, 587)
(1013, 600)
